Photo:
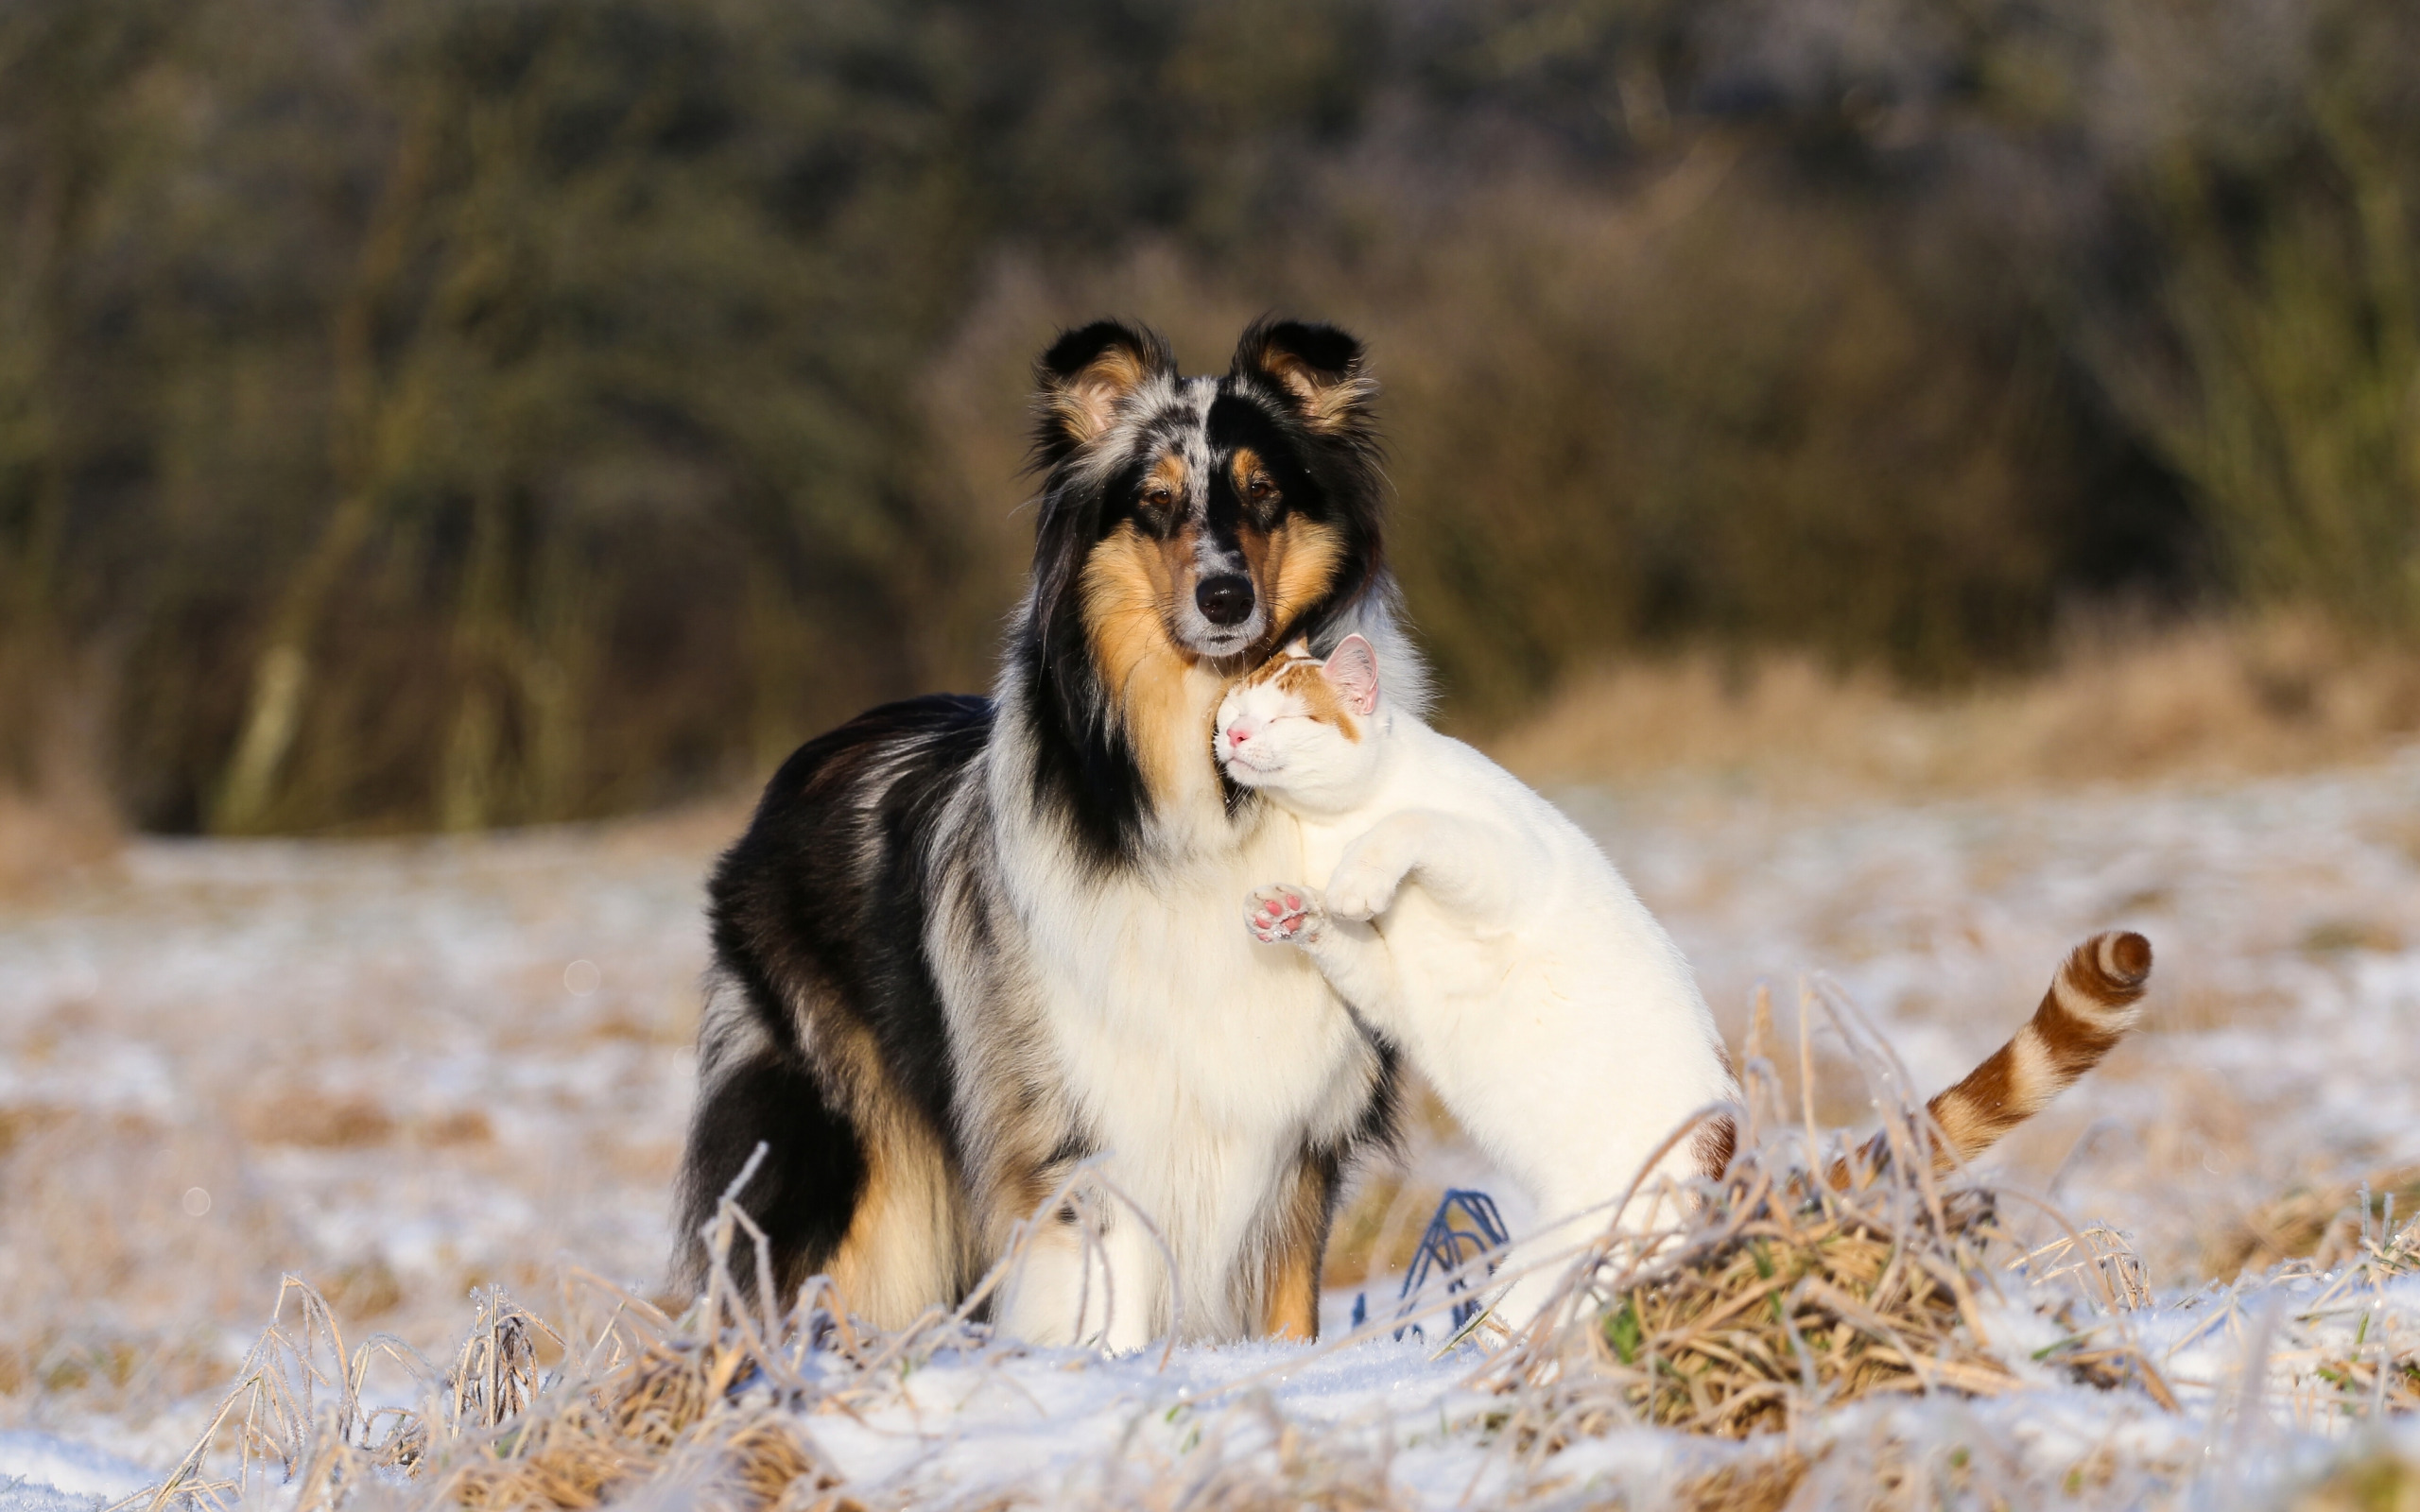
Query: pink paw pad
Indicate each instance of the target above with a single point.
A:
(1276, 916)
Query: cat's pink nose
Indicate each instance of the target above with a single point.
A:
(1236, 736)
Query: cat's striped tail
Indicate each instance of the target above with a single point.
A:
(2092, 1000)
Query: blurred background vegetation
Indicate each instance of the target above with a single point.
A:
(451, 413)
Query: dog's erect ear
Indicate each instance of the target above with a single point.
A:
(1316, 368)
(1352, 669)
(1086, 376)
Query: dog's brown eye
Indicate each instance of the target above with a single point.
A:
(1159, 498)
(1260, 489)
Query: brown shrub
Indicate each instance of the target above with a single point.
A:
(2213, 699)
(316, 1120)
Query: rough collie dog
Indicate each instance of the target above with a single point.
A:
(967, 944)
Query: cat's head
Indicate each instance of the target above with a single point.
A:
(1304, 730)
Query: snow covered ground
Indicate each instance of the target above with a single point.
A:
(40, 1472)
(404, 1069)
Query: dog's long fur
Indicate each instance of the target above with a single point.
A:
(967, 944)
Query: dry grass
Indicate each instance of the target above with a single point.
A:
(2325, 1224)
(1815, 1274)
(2373, 1374)
(2211, 699)
(1822, 1272)
(1821, 1296)
(1783, 1297)
(708, 1404)
(2374, 1377)
(42, 839)
(712, 1409)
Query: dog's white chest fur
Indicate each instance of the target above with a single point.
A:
(1200, 1062)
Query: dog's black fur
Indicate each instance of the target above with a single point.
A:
(796, 912)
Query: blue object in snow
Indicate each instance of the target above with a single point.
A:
(1445, 1248)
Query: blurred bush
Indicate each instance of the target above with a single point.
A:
(462, 412)
(2275, 366)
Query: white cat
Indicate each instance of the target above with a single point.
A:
(1470, 923)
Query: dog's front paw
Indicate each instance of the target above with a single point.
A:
(1288, 913)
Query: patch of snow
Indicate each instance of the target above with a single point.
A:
(40, 1472)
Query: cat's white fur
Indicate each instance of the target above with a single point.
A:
(1467, 920)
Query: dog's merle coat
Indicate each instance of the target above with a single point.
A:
(968, 943)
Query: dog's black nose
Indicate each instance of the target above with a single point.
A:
(1225, 599)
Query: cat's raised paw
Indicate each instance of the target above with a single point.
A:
(1287, 913)
(1360, 897)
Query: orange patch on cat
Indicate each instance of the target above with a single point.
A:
(1305, 680)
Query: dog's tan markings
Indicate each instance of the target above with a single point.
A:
(1086, 403)
(1129, 580)
(1329, 402)
(1289, 1279)
(1246, 466)
(1292, 1309)
(1292, 567)
(898, 1251)
(1167, 476)
(888, 1262)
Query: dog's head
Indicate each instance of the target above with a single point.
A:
(1187, 525)
(1224, 516)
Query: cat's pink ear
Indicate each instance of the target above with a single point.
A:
(1352, 669)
